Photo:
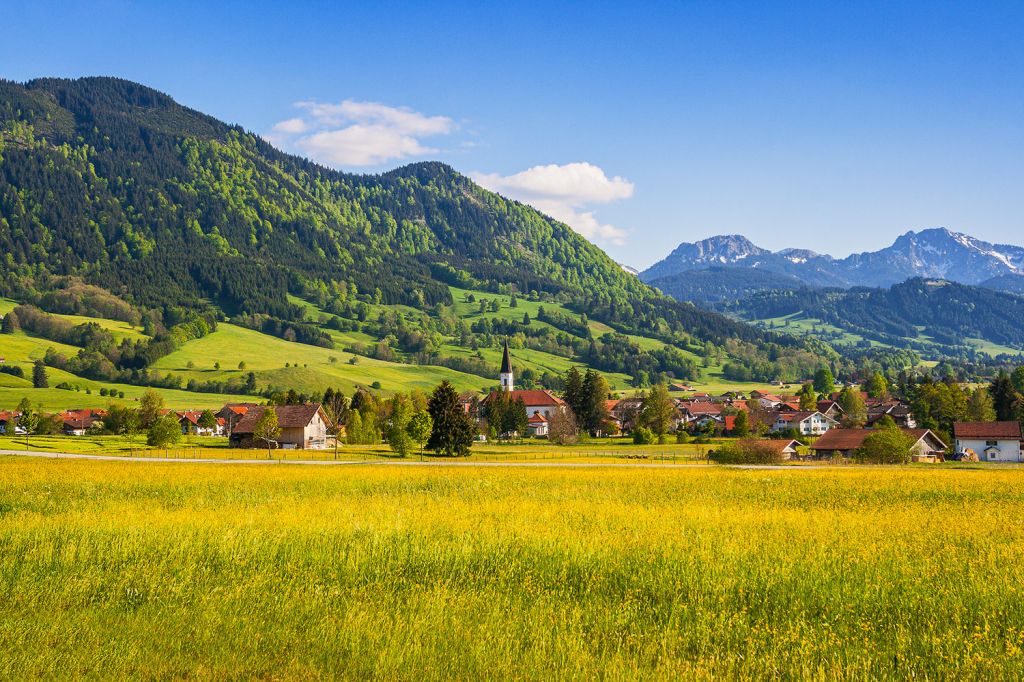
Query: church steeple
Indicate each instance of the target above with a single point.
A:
(506, 370)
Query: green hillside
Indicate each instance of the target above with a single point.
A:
(937, 319)
(188, 240)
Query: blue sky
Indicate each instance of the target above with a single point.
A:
(833, 126)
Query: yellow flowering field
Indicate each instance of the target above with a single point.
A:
(144, 570)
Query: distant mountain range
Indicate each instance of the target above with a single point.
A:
(933, 253)
(938, 292)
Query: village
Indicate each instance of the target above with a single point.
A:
(801, 426)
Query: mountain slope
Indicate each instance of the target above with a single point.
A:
(177, 214)
(932, 253)
(937, 317)
(713, 286)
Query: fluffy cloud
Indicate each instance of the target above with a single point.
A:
(358, 133)
(565, 192)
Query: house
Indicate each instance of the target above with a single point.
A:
(805, 423)
(990, 441)
(469, 401)
(698, 413)
(303, 427)
(786, 448)
(899, 413)
(80, 422)
(9, 422)
(769, 401)
(831, 409)
(189, 422)
(927, 446)
(679, 387)
(537, 425)
(232, 413)
(624, 413)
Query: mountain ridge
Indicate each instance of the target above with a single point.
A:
(933, 253)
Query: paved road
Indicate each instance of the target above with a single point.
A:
(331, 462)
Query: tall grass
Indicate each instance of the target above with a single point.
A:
(121, 569)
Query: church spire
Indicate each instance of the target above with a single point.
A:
(506, 370)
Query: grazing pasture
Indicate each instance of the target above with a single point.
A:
(128, 569)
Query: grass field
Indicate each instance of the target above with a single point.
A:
(191, 447)
(129, 570)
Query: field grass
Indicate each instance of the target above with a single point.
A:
(311, 367)
(597, 450)
(128, 570)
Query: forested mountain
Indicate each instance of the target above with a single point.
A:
(926, 315)
(714, 286)
(177, 214)
(932, 253)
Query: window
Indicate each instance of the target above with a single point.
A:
(991, 443)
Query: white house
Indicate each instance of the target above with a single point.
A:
(990, 441)
(537, 425)
(805, 423)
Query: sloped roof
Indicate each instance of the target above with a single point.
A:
(797, 416)
(288, 416)
(534, 398)
(987, 430)
(537, 418)
(851, 439)
(702, 408)
(779, 444)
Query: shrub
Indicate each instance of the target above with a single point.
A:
(13, 370)
(887, 446)
(643, 436)
(746, 451)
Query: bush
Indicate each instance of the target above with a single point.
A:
(887, 446)
(746, 451)
(643, 436)
(13, 370)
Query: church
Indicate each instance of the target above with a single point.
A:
(540, 404)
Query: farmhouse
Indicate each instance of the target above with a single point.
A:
(9, 423)
(927, 446)
(232, 413)
(303, 427)
(805, 423)
(80, 422)
(990, 441)
(189, 422)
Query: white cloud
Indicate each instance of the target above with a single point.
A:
(354, 133)
(564, 192)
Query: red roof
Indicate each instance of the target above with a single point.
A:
(537, 418)
(730, 422)
(987, 430)
(851, 439)
(535, 398)
(702, 408)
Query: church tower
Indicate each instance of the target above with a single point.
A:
(506, 370)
